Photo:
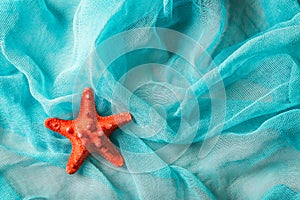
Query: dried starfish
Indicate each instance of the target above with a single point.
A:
(89, 133)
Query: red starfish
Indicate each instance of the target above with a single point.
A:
(89, 133)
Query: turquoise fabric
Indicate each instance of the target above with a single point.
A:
(213, 87)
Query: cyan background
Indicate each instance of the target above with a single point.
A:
(255, 45)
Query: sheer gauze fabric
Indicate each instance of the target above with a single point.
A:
(213, 87)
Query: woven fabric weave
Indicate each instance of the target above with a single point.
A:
(213, 87)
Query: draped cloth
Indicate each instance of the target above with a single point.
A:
(213, 87)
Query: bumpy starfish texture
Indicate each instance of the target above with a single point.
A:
(89, 133)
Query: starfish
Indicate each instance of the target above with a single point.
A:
(89, 133)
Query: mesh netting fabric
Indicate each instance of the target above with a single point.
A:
(213, 87)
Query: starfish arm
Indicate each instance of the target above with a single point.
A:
(111, 123)
(64, 127)
(77, 157)
(107, 150)
(87, 104)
